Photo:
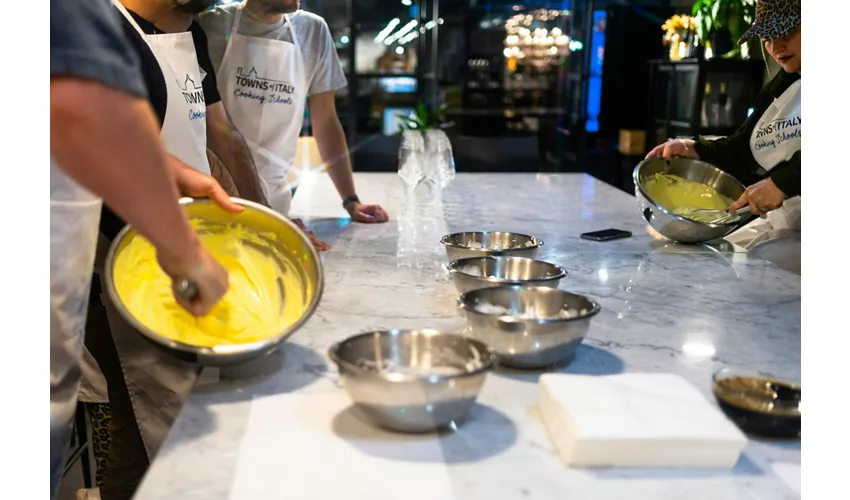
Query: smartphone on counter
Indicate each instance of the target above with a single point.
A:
(606, 235)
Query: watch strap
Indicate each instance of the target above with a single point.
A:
(348, 200)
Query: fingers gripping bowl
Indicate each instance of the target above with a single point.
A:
(664, 219)
(276, 282)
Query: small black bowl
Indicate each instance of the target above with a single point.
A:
(759, 405)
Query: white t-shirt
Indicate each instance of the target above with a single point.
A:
(321, 61)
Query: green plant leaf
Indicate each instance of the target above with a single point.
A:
(697, 7)
(732, 53)
(422, 112)
(411, 123)
(715, 12)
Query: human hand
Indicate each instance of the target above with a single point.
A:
(319, 244)
(762, 197)
(367, 213)
(200, 268)
(674, 147)
(192, 183)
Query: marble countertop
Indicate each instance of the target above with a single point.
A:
(673, 308)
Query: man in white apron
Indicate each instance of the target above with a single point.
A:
(101, 143)
(145, 387)
(270, 57)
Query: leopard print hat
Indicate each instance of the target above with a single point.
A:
(774, 19)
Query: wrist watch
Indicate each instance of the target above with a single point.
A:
(348, 200)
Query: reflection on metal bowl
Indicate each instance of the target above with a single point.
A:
(675, 227)
(271, 234)
(486, 272)
(496, 243)
(413, 380)
(525, 325)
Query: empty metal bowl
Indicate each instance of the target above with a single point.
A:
(676, 227)
(413, 380)
(266, 231)
(496, 316)
(486, 272)
(483, 243)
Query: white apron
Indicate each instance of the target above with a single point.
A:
(184, 129)
(775, 138)
(263, 86)
(157, 383)
(74, 222)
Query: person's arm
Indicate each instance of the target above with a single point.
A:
(330, 138)
(770, 193)
(219, 173)
(327, 78)
(333, 148)
(733, 154)
(229, 146)
(787, 175)
(108, 142)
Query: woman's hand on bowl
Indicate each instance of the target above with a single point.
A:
(674, 147)
(762, 197)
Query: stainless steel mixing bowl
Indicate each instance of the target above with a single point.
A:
(486, 272)
(413, 380)
(270, 233)
(676, 227)
(491, 243)
(528, 343)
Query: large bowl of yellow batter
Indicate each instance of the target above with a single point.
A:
(662, 187)
(276, 282)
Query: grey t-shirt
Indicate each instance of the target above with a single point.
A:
(86, 41)
(321, 61)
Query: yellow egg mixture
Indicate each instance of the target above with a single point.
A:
(250, 310)
(675, 193)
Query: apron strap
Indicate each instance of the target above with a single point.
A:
(129, 17)
(234, 31)
(288, 19)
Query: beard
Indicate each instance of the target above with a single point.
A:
(279, 6)
(193, 6)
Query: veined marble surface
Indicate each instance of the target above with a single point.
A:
(666, 308)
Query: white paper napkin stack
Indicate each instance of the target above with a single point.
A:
(636, 420)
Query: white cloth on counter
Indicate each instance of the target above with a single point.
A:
(290, 438)
(636, 420)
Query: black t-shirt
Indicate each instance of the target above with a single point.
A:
(111, 223)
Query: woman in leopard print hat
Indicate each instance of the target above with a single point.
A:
(764, 153)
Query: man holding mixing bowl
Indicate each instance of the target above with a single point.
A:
(764, 153)
(103, 143)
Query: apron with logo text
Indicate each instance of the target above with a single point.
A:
(775, 138)
(263, 86)
(184, 129)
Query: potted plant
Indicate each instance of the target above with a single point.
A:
(721, 23)
(425, 118)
